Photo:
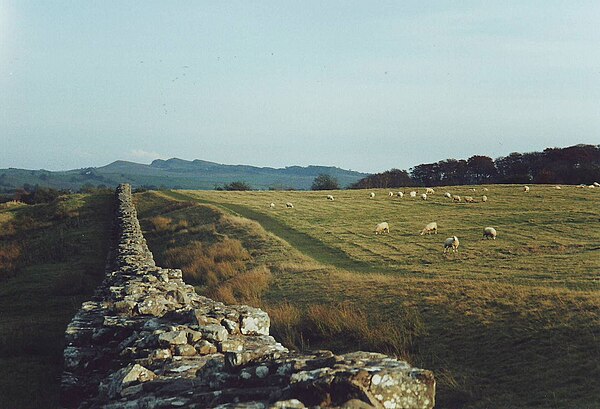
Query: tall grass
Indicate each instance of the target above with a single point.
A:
(247, 287)
(60, 249)
(208, 264)
(344, 327)
(10, 254)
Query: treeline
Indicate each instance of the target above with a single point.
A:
(573, 165)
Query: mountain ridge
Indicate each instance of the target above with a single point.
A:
(174, 173)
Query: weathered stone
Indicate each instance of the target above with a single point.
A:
(214, 332)
(254, 322)
(193, 336)
(231, 345)
(151, 306)
(172, 338)
(204, 347)
(161, 354)
(231, 326)
(123, 378)
(185, 350)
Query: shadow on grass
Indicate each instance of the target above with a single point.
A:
(306, 244)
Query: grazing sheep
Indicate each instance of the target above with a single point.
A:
(456, 198)
(413, 194)
(289, 205)
(424, 196)
(391, 194)
(592, 186)
(596, 184)
(580, 186)
(448, 195)
(473, 189)
(429, 191)
(382, 228)
(329, 197)
(557, 187)
(485, 189)
(484, 198)
(431, 227)
(525, 188)
(371, 195)
(400, 195)
(469, 199)
(272, 205)
(451, 243)
(489, 233)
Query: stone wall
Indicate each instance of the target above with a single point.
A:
(147, 340)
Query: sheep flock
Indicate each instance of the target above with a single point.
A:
(451, 243)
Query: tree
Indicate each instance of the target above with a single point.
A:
(325, 182)
(481, 169)
(237, 185)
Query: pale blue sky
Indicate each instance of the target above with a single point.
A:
(365, 85)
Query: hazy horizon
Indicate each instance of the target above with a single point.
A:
(356, 85)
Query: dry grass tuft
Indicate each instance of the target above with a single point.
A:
(246, 287)
(209, 264)
(343, 327)
(160, 223)
(10, 254)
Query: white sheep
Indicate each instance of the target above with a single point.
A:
(592, 186)
(451, 243)
(485, 189)
(413, 194)
(400, 195)
(557, 187)
(431, 227)
(272, 205)
(469, 199)
(371, 195)
(525, 188)
(456, 198)
(382, 228)
(289, 205)
(473, 189)
(429, 191)
(424, 196)
(489, 233)
(596, 184)
(330, 197)
(448, 195)
(484, 198)
(391, 194)
(580, 186)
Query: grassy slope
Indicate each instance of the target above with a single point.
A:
(64, 251)
(511, 322)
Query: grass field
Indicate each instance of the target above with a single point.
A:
(52, 256)
(508, 323)
(513, 322)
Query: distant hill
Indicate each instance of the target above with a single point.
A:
(174, 173)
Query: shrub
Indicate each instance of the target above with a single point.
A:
(238, 185)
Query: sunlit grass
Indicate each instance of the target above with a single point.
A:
(512, 322)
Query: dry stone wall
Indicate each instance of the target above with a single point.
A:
(147, 340)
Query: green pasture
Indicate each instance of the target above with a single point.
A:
(512, 322)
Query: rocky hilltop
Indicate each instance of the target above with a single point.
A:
(147, 340)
